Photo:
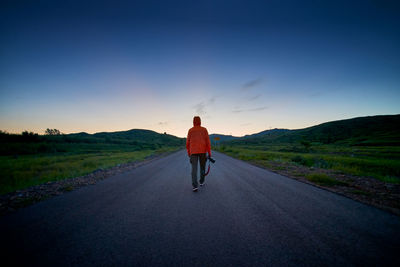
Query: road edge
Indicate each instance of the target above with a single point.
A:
(14, 201)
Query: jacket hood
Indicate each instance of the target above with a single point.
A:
(196, 121)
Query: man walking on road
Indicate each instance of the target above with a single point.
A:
(197, 144)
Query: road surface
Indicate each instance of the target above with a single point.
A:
(244, 216)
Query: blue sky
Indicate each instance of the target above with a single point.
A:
(243, 66)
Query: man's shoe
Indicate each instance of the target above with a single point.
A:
(195, 189)
(201, 184)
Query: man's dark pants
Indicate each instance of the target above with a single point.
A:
(194, 158)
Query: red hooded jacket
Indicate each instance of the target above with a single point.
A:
(198, 140)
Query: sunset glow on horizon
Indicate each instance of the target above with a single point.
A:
(243, 68)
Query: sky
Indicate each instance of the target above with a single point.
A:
(242, 66)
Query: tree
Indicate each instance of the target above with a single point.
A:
(52, 132)
(29, 136)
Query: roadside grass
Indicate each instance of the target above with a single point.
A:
(28, 170)
(382, 163)
(323, 179)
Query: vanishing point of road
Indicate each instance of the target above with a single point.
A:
(244, 216)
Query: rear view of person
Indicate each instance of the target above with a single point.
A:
(197, 145)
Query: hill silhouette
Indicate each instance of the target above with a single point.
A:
(140, 135)
(272, 133)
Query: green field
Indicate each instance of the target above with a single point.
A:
(364, 147)
(29, 159)
(382, 163)
(28, 170)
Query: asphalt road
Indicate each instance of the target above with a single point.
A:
(244, 216)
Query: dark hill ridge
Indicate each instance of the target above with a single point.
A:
(272, 133)
(133, 135)
(372, 130)
(139, 134)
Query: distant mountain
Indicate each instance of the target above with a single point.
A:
(81, 134)
(271, 133)
(130, 137)
(139, 134)
(222, 137)
(372, 130)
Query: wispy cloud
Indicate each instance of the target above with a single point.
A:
(201, 107)
(252, 98)
(250, 109)
(163, 123)
(252, 84)
(258, 109)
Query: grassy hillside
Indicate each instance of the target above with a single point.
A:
(366, 146)
(372, 131)
(363, 131)
(30, 159)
